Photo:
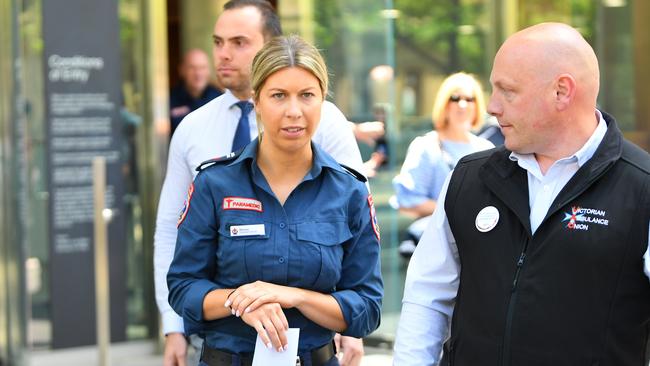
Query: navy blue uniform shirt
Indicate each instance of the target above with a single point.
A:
(323, 239)
(181, 103)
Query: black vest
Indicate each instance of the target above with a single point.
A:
(572, 294)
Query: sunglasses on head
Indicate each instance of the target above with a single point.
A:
(455, 98)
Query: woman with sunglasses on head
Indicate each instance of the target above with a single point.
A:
(458, 110)
(278, 235)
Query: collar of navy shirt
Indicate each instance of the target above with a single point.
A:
(320, 160)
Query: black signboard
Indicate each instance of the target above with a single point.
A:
(82, 86)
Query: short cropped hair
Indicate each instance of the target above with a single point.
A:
(283, 52)
(449, 86)
(271, 22)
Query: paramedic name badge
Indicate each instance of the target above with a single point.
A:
(487, 219)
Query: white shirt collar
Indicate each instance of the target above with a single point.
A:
(230, 99)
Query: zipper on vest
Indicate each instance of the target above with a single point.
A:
(505, 355)
(520, 263)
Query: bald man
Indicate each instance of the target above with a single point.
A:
(194, 90)
(538, 254)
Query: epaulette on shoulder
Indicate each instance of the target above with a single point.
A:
(220, 160)
(354, 173)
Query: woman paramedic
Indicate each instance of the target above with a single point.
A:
(279, 235)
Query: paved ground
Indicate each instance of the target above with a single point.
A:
(144, 353)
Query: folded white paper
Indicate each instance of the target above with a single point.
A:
(264, 356)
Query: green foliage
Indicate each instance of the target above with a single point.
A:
(445, 31)
(29, 25)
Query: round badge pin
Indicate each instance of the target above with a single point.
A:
(487, 219)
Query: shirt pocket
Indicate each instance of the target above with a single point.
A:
(239, 257)
(320, 253)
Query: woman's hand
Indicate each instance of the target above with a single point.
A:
(270, 323)
(322, 309)
(249, 297)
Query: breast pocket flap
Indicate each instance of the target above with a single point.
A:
(324, 233)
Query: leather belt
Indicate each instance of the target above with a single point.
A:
(214, 357)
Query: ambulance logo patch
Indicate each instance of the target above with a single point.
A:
(373, 217)
(580, 218)
(186, 206)
(241, 203)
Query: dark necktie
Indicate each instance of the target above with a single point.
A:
(243, 132)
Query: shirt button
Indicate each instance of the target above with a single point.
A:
(282, 225)
(546, 188)
(281, 260)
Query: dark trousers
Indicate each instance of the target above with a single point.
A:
(306, 362)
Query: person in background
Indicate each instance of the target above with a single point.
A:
(368, 132)
(373, 134)
(492, 132)
(194, 89)
(223, 125)
(458, 110)
(538, 251)
(281, 197)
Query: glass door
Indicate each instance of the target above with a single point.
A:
(13, 332)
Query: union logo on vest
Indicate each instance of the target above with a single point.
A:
(579, 218)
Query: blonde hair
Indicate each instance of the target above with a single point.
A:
(283, 52)
(451, 85)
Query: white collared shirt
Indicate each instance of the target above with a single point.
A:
(207, 133)
(543, 188)
(433, 274)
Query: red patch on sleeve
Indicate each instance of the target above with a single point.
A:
(186, 206)
(373, 217)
